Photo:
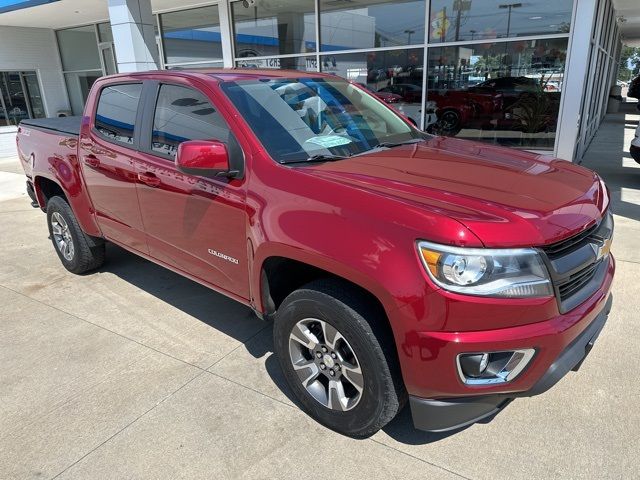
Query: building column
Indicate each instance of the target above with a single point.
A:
(575, 79)
(133, 35)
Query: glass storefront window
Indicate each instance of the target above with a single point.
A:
(78, 86)
(464, 20)
(273, 28)
(306, 64)
(19, 97)
(370, 24)
(394, 76)
(79, 48)
(191, 35)
(198, 65)
(506, 93)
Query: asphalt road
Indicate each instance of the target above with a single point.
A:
(136, 372)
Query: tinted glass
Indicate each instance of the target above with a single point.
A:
(79, 48)
(296, 119)
(191, 35)
(506, 93)
(185, 114)
(116, 114)
(454, 20)
(393, 76)
(274, 28)
(369, 24)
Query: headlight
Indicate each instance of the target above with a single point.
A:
(509, 273)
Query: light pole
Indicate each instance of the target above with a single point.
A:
(510, 6)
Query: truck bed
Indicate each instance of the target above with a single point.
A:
(65, 125)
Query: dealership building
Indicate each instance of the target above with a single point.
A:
(534, 75)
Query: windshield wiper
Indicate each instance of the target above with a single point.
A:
(385, 145)
(397, 144)
(320, 157)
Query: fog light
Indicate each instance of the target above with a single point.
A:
(474, 365)
(488, 368)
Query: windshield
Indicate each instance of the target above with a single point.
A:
(313, 118)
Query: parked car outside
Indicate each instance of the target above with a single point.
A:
(397, 266)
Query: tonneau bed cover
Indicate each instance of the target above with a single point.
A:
(65, 125)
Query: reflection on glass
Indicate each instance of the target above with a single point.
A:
(13, 98)
(312, 119)
(116, 112)
(33, 94)
(79, 48)
(370, 24)
(273, 28)
(184, 114)
(506, 93)
(458, 20)
(395, 77)
(199, 65)
(191, 35)
(78, 86)
(306, 64)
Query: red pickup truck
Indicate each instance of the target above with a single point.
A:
(396, 266)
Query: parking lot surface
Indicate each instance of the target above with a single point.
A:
(136, 372)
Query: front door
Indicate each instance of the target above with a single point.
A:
(107, 150)
(195, 224)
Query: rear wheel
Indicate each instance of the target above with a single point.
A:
(78, 252)
(338, 359)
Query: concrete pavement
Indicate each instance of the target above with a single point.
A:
(136, 372)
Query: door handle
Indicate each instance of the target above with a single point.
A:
(91, 161)
(149, 178)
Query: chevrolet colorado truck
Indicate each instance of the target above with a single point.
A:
(396, 266)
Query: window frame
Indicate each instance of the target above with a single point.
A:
(137, 126)
(150, 103)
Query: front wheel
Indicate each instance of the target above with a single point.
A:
(78, 252)
(338, 358)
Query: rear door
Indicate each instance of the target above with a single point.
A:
(107, 151)
(193, 223)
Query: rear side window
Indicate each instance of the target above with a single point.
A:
(183, 114)
(116, 114)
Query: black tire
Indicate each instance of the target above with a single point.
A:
(88, 252)
(449, 123)
(367, 332)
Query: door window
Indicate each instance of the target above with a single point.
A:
(184, 114)
(116, 114)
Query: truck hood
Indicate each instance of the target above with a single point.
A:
(506, 197)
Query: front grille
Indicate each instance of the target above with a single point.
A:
(560, 248)
(576, 282)
(577, 270)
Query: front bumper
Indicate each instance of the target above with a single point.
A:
(442, 415)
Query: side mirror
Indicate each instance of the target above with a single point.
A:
(204, 158)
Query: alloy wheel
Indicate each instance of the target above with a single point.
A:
(326, 364)
(62, 236)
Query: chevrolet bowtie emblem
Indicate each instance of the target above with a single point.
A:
(602, 249)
